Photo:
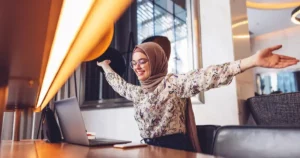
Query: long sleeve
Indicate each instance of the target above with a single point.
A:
(127, 90)
(193, 82)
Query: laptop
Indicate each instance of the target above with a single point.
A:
(72, 125)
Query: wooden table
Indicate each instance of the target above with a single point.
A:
(41, 149)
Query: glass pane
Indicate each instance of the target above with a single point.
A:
(281, 82)
(163, 22)
(145, 20)
(168, 19)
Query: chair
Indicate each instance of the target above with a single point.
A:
(257, 142)
(276, 109)
(206, 134)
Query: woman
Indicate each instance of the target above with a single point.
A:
(162, 105)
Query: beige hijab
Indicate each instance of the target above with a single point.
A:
(158, 64)
(158, 60)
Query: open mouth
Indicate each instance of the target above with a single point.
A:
(140, 73)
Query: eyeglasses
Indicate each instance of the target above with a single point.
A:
(141, 61)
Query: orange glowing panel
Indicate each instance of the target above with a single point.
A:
(97, 23)
(71, 18)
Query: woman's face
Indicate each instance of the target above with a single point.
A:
(140, 65)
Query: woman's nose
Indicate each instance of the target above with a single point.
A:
(138, 66)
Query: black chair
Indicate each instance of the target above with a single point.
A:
(257, 142)
(206, 134)
(276, 109)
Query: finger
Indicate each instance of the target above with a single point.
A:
(281, 65)
(285, 64)
(286, 57)
(275, 47)
(288, 60)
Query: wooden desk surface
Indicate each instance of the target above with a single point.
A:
(41, 149)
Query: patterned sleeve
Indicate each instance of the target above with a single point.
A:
(191, 83)
(127, 90)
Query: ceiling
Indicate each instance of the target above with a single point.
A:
(24, 36)
(266, 21)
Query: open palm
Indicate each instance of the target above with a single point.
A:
(266, 58)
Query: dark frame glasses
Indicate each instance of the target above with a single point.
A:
(141, 61)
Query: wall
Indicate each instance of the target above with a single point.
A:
(289, 38)
(225, 105)
(219, 107)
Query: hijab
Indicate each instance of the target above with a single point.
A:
(158, 64)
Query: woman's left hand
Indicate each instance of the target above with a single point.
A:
(266, 58)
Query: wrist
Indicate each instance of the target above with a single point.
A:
(252, 61)
(106, 68)
(247, 63)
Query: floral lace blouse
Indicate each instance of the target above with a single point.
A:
(162, 112)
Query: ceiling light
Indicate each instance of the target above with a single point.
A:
(286, 5)
(239, 24)
(294, 17)
(241, 36)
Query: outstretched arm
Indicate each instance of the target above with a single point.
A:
(190, 84)
(127, 90)
(267, 59)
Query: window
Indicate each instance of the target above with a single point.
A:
(166, 18)
(281, 82)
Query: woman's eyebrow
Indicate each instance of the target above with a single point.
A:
(140, 59)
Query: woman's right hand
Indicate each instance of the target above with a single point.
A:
(103, 63)
(105, 66)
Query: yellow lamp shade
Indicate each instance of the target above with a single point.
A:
(102, 45)
(91, 32)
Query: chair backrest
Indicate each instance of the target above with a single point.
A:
(257, 142)
(206, 135)
(276, 109)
